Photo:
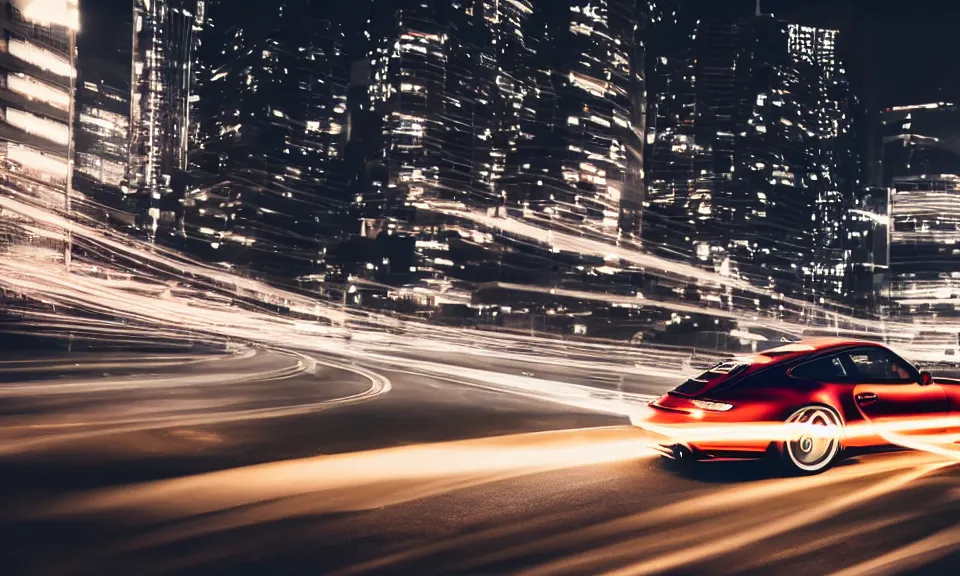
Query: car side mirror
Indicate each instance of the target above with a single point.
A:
(926, 378)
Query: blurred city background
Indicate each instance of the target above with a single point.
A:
(715, 175)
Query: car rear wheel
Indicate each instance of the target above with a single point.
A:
(814, 444)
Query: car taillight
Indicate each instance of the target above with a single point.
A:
(712, 406)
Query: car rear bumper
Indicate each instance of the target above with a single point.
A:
(679, 436)
(682, 452)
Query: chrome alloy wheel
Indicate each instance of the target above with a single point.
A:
(814, 433)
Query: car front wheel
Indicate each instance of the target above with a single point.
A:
(814, 443)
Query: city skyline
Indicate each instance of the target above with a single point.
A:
(313, 144)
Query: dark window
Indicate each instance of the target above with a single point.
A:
(826, 369)
(879, 365)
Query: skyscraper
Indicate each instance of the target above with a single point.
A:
(689, 138)
(450, 96)
(535, 108)
(267, 190)
(867, 230)
(838, 176)
(37, 75)
(102, 142)
(581, 158)
(751, 152)
(494, 48)
(164, 37)
(921, 162)
(408, 52)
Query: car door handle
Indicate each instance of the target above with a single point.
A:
(867, 398)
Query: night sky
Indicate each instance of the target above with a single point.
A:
(899, 51)
(103, 43)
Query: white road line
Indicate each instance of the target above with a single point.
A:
(379, 384)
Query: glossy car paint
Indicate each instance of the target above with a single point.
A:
(765, 394)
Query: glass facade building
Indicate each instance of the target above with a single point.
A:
(267, 189)
(533, 109)
(103, 146)
(37, 76)
(164, 37)
(751, 152)
(921, 163)
(580, 167)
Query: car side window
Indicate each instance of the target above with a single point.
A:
(879, 365)
(828, 369)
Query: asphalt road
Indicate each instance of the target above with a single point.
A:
(289, 463)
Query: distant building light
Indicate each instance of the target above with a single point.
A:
(38, 126)
(34, 89)
(41, 57)
(931, 106)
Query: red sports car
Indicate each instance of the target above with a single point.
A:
(802, 403)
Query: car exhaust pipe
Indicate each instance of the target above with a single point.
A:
(682, 454)
(677, 452)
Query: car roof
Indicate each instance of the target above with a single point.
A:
(823, 343)
(792, 350)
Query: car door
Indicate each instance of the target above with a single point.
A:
(889, 388)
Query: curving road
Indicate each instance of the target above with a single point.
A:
(287, 462)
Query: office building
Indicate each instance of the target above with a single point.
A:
(751, 152)
(408, 55)
(37, 75)
(867, 246)
(267, 189)
(449, 97)
(921, 163)
(533, 109)
(838, 177)
(164, 37)
(580, 160)
(102, 145)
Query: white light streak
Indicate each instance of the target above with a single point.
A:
(36, 160)
(34, 89)
(41, 57)
(56, 12)
(38, 126)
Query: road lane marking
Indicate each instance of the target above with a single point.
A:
(378, 385)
